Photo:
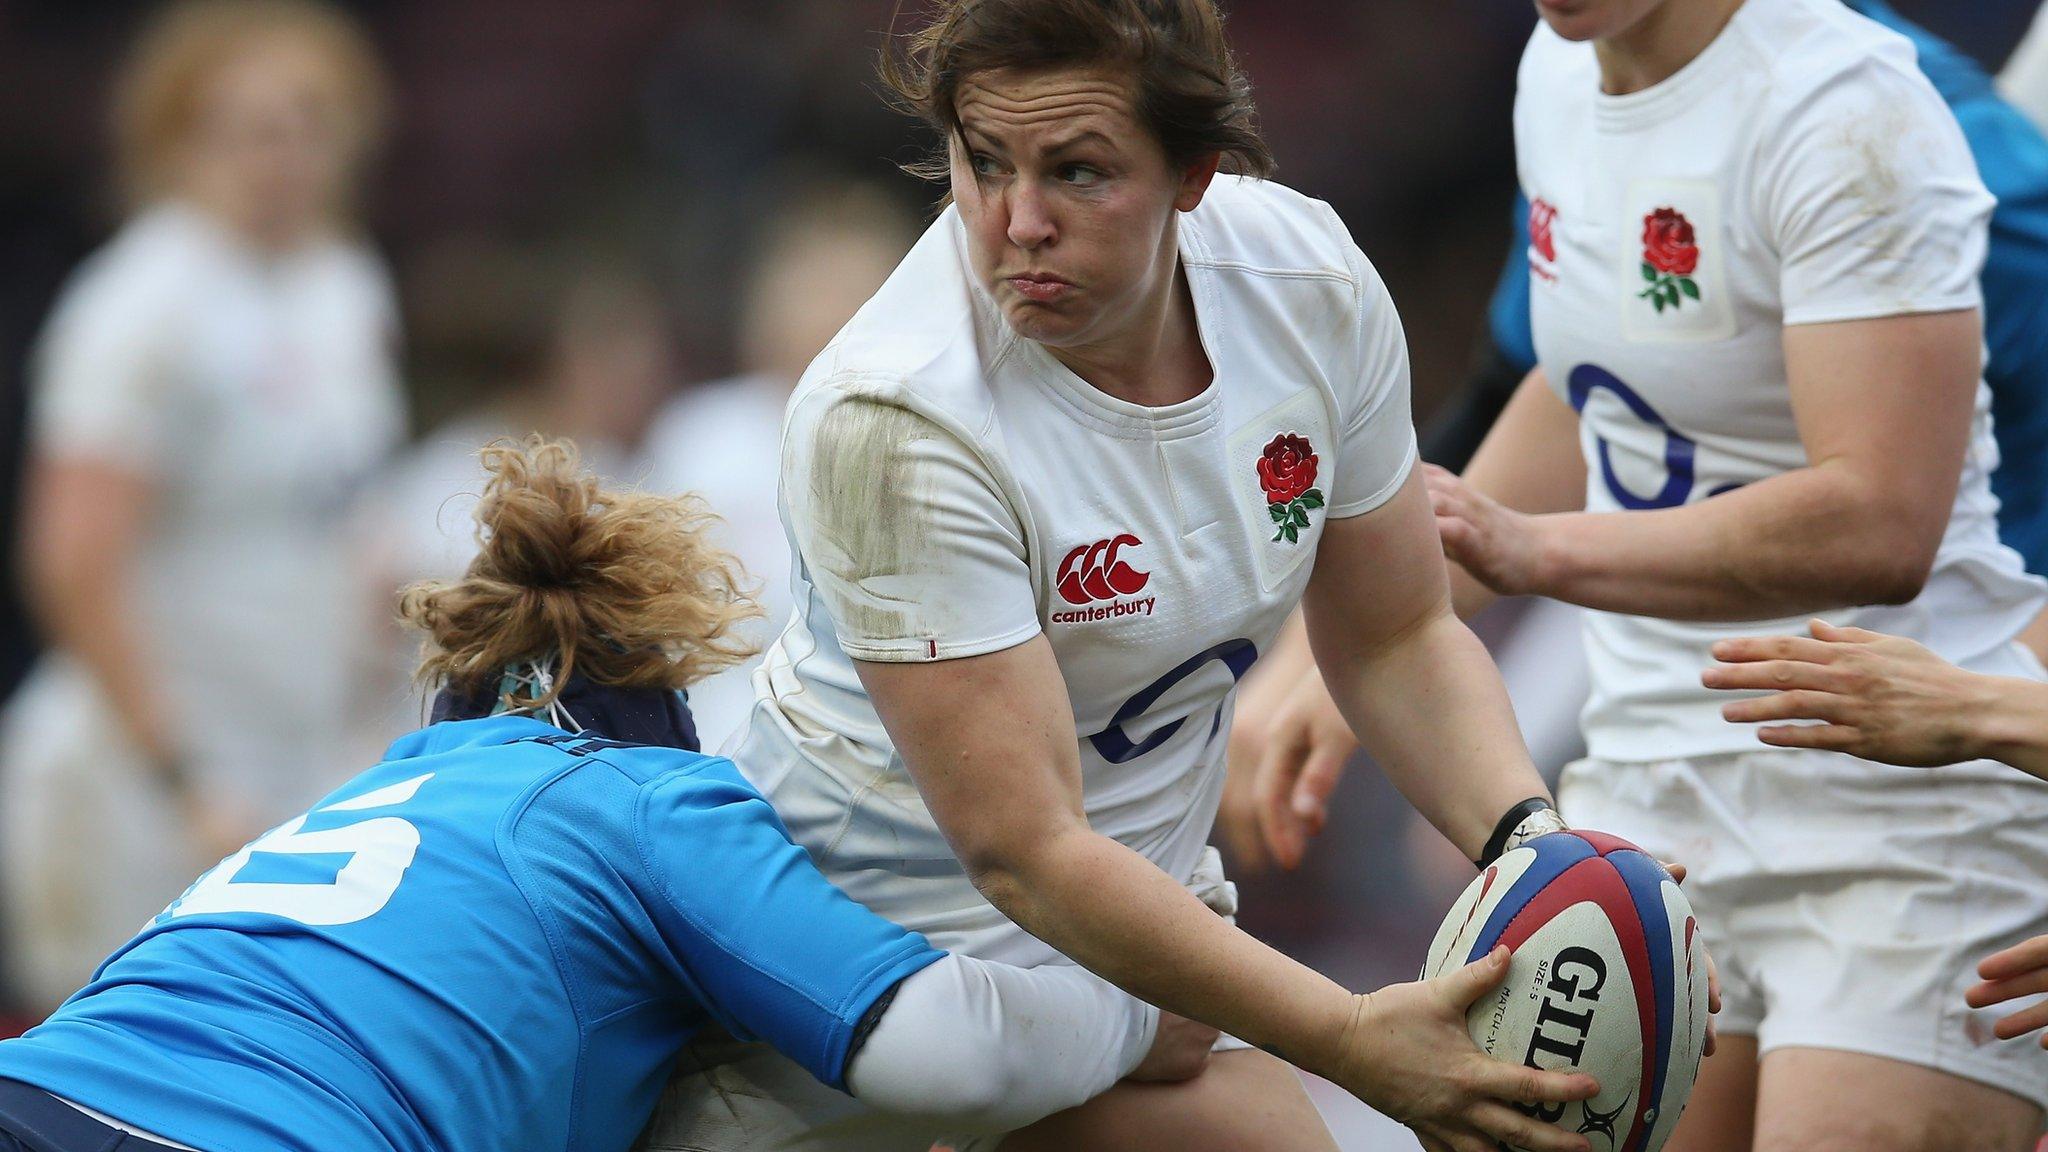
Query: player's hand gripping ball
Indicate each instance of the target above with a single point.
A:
(1609, 977)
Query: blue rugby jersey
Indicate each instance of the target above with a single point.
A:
(2012, 157)
(499, 937)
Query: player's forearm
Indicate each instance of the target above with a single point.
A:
(1804, 541)
(84, 527)
(1430, 707)
(949, 1045)
(1115, 913)
(2015, 727)
(82, 611)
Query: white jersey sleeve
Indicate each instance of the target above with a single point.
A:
(1378, 431)
(902, 528)
(1870, 193)
(101, 370)
(951, 1046)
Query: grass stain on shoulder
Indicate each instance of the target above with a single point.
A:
(870, 489)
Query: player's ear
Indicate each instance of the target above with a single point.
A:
(1194, 181)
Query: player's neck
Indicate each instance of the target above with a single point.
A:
(1159, 361)
(1657, 46)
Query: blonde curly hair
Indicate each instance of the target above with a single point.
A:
(623, 588)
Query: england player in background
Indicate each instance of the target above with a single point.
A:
(2012, 158)
(1760, 393)
(211, 390)
(500, 936)
(1051, 492)
(1538, 647)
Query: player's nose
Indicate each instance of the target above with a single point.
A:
(1031, 222)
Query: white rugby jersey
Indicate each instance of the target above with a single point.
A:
(1800, 170)
(950, 489)
(258, 392)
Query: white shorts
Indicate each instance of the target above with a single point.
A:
(1847, 903)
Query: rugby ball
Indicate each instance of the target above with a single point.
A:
(1609, 977)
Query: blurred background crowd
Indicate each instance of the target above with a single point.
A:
(269, 276)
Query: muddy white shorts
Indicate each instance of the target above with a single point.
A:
(1847, 903)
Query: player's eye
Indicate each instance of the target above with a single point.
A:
(1080, 175)
(983, 164)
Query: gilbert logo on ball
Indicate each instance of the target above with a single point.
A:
(1609, 977)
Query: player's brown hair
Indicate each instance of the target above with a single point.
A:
(157, 93)
(620, 587)
(1191, 93)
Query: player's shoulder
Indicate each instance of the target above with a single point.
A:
(1286, 263)
(1820, 54)
(1263, 227)
(528, 769)
(698, 800)
(146, 270)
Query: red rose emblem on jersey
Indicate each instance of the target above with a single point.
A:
(1287, 469)
(1671, 254)
(1541, 217)
(1287, 472)
(1668, 242)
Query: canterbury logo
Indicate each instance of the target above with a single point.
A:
(1094, 572)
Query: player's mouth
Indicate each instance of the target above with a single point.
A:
(1039, 287)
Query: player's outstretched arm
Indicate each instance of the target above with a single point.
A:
(989, 740)
(949, 1046)
(1882, 698)
(775, 951)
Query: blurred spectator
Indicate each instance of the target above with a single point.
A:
(209, 390)
(816, 264)
(604, 364)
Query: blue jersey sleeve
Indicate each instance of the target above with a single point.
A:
(1507, 315)
(2012, 157)
(773, 950)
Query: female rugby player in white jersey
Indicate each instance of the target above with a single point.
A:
(210, 387)
(1759, 395)
(1050, 493)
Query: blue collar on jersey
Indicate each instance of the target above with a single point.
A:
(657, 716)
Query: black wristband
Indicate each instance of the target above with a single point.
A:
(1498, 842)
